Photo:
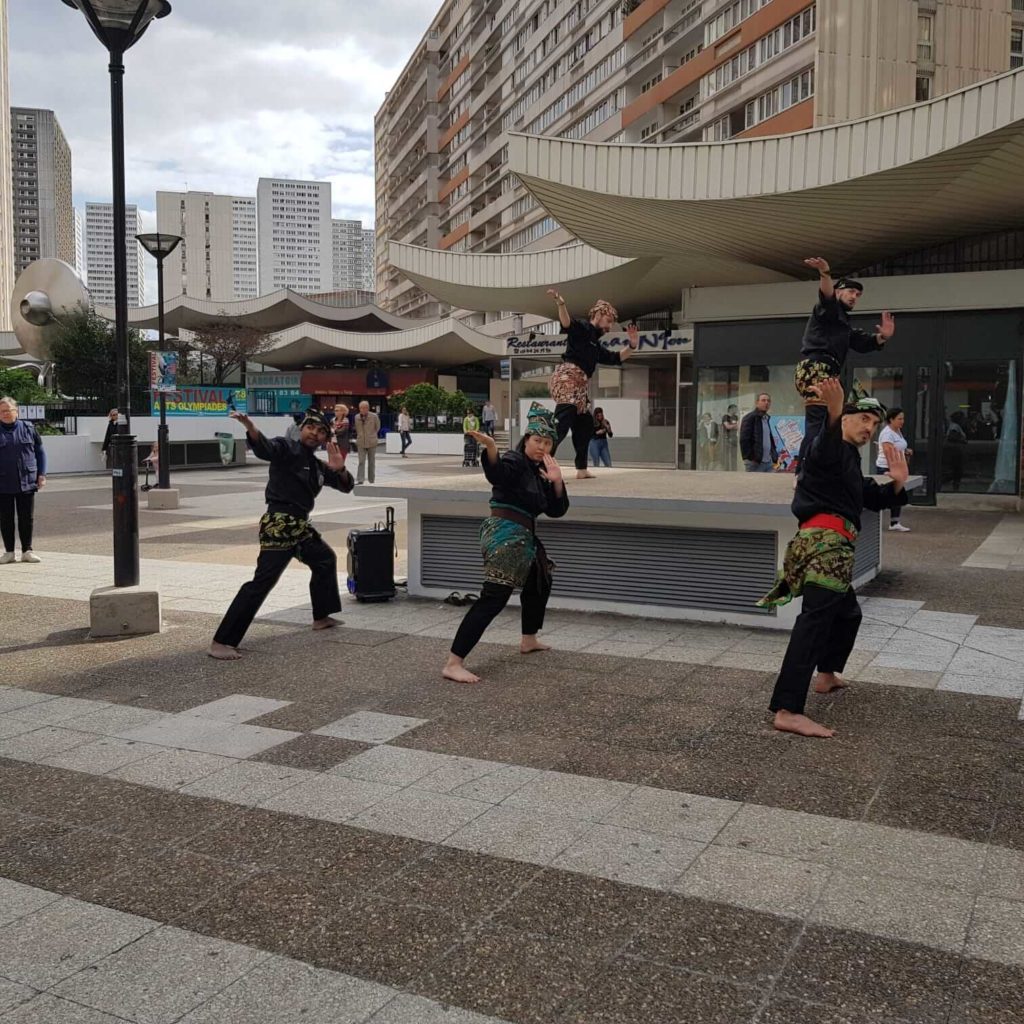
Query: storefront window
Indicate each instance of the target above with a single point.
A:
(725, 394)
(884, 383)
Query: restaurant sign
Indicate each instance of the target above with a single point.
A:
(554, 344)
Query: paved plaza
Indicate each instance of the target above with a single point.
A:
(609, 832)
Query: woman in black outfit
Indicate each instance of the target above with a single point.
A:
(583, 353)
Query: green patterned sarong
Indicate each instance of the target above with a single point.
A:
(509, 551)
(818, 556)
(810, 372)
(281, 531)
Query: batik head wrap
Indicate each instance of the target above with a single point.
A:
(541, 421)
(603, 308)
(864, 404)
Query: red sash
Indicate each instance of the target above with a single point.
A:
(824, 521)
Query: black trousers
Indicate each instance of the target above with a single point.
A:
(22, 506)
(822, 638)
(493, 598)
(323, 587)
(581, 424)
(815, 419)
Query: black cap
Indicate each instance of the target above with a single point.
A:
(848, 282)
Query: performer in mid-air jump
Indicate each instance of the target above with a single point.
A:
(583, 353)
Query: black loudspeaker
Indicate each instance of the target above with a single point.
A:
(371, 562)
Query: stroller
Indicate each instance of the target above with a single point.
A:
(471, 452)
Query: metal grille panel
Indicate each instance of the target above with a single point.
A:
(869, 548)
(721, 570)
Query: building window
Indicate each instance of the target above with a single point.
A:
(782, 97)
(1017, 47)
(926, 37)
(923, 90)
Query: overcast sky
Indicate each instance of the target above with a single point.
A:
(221, 93)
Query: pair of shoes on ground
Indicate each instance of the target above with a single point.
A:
(899, 528)
(26, 556)
(459, 600)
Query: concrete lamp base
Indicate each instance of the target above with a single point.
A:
(123, 611)
(163, 497)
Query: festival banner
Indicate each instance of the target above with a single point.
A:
(163, 371)
(207, 401)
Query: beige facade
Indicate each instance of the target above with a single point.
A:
(655, 72)
(217, 256)
(6, 206)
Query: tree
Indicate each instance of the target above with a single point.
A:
(456, 404)
(421, 400)
(84, 354)
(229, 346)
(22, 386)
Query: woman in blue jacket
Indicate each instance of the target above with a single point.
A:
(22, 473)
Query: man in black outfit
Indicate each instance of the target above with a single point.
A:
(830, 494)
(296, 478)
(828, 337)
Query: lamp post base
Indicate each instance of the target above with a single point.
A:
(123, 611)
(162, 498)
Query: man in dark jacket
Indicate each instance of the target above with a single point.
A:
(831, 493)
(296, 478)
(757, 442)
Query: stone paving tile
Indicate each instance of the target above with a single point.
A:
(686, 815)
(791, 834)
(896, 908)
(237, 708)
(863, 974)
(983, 684)
(56, 712)
(795, 1011)
(48, 1009)
(519, 834)
(1003, 875)
(968, 662)
(329, 797)
(419, 814)
(317, 753)
(111, 719)
(756, 881)
(569, 796)
(172, 769)
(740, 946)
(369, 727)
(405, 1009)
(394, 766)
(12, 994)
(161, 976)
(156, 816)
(61, 939)
(248, 783)
(988, 993)
(209, 736)
(11, 698)
(997, 931)
(31, 746)
(496, 785)
(17, 900)
(13, 727)
(101, 756)
(628, 855)
(913, 803)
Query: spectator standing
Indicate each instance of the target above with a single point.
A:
(404, 428)
(707, 442)
(489, 417)
(367, 428)
(599, 453)
(342, 428)
(891, 438)
(757, 440)
(730, 438)
(22, 474)
(108, 434)
(471, 448)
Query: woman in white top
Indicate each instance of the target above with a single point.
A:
(404, 426)
(890, 438)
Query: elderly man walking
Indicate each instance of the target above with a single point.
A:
(367, 427)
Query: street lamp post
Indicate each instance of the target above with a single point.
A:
(161, 246)
(119, 24)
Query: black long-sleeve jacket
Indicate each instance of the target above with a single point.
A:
(583, 347)
(831, 481)
(830, 332)
(296, 475)
(516, 481)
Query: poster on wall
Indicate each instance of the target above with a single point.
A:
(207, 401)
(789, 430)
(163, 371)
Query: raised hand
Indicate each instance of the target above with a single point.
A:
(633, 333)
(481, 438)
(899, 471)
(553, 292)
(887, 328)
(818, 263)
(336, 457)
(241, 417)
(552, 471)
(831, 393)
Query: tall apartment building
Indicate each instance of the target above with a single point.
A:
(44, 217)
(353, 248)
(6, 206)
(656, 71)
(217, 255)
(99, 254)
(295, 235)
(79, 263)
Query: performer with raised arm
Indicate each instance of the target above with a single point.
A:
(828, 337)
(525, 483)
(830, 494)
(296, 478)
(583, 353)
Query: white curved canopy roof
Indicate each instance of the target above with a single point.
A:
(440, 343)
(701, 214)
(271, 312)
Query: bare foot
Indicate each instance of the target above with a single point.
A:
(222, 652)
(826, 682)
(786, 721)
(327, 623)
(582, 474)
(529, 644)
(458, 673)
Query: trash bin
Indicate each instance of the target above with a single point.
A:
(227, 447)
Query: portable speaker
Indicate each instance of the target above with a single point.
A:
(371, 562)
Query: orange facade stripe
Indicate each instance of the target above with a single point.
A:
(453, 236)
(795, 119)
(647, 10)
(450, 134)
(451, 184)
(747, 32)
(450, 80)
